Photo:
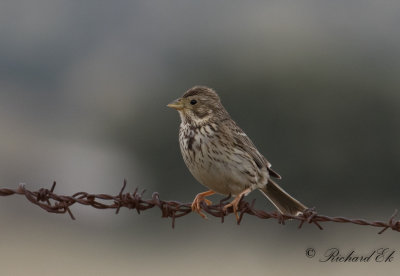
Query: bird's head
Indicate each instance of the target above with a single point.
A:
(199, 105)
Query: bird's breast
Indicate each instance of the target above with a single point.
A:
(213, 162)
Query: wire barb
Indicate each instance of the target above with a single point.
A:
(60, 204)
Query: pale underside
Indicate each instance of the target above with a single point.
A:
(216, 162)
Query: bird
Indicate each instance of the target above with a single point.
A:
(220, 155)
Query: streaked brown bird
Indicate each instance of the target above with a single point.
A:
(222, 157)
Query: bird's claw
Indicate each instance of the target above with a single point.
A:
(234, 204)
(196, 205)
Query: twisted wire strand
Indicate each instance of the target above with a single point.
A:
(60, 204)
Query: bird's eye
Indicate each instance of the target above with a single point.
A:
(193, 102)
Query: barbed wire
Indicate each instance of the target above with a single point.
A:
(60, 204)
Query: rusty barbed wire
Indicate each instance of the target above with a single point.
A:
(60, 204)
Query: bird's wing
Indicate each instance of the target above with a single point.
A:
(242, 141)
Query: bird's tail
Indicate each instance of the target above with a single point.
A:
(286, 204)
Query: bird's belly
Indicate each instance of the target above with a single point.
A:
(220, 179)
(218, 169)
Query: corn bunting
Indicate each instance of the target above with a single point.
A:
(222, 157)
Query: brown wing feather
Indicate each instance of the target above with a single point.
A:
(244, 142)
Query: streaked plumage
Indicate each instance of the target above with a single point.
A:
(221, 156)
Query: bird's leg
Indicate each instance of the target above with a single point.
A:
(198, 199)
(235, 202)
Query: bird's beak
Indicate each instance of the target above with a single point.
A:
(177, 104)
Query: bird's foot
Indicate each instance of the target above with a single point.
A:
(235, 203)
(200, 198)
(235, 206)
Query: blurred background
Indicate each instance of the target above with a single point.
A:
(83, 93)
